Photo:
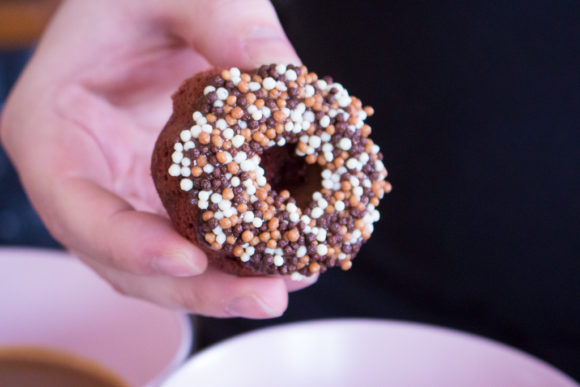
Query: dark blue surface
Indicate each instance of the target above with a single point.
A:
(19, 223)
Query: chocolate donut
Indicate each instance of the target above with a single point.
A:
(270, 171)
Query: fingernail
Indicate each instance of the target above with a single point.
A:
(250, 306)
(178, 265)
(264, 45)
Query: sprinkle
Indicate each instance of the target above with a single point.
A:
(321, 249)
(269, 83)
(345, 144)
(186, 184)
(174, 170)
(278, 260)
(238, 140)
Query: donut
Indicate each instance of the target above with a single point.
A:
(270, 171)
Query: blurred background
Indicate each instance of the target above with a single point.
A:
(477, 113)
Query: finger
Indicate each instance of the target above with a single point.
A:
(213, 293)
(90, 219)
(244, 33)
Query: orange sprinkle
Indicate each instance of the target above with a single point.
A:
(228, 193)
(201, 161)
(210, 237)
(247, 236)
(207, 215)
(293, 235)
(314, 267)
(196, 171)
(225, 223)
(204, 138)
(238, 251)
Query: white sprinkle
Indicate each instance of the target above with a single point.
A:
(252, 109)
(296, 276)
(308, 91)
(341, 256)
(247, 165)
(354, 181)
(376, 215)
(257, 222)
(291, 75)
(245, 257)
(280, 68)
(291, 207)
(345, 144)
(185, 135)
(325, 137)
(186, 184)
(326, 174)
(218, 215)
(206, 91)
(174, 170)
(344, 101)
(321, 237)
(185, 172)
(301, 252)
(294, 217)
(321, 83)
(296, 116)
(221, 238)
(261, 180)
(266, 112)
(339, 205)
(241, 156)
(314, 141)
(206, 128)
(289, 126)
(197, 115)
(221, 124)
(254, 86)
(281, 141)
(208, 168)
(269, 83)
(278, 260)
(316, 212)
(189, 145)
(221, 93)
(352, 163)
(224, 205)
(235, 181)
(328, 184)
(203, 204)
(203, 195)
(242, 124)
(195, 130)
(328, 156)
(364, 158)
(358, 191)
(317, 196)
(309, 116)
(218, 103)
(216, 198)
(178, 147)
(176, 157)
(235, 72)
(305, 219)
(321, 249)
(257, 115)
(325, 121)
(230, 212)
(322, 203)
(249, 217)
(375, 149)
(238, 140)
(228, 133)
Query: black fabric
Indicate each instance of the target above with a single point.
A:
(477, 115)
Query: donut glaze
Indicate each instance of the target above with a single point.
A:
(270, 171)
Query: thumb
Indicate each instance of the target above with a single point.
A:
(243, 33)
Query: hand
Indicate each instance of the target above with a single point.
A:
(80, 127)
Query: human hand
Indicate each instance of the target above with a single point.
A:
(80, 127)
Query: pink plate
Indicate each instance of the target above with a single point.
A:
(50, 299)
(357, 352)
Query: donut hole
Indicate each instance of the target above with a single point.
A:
(286, 171)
